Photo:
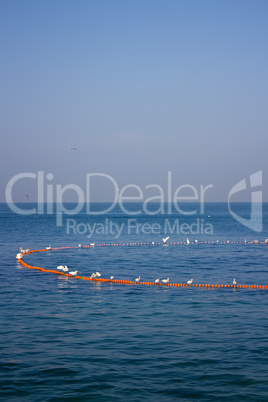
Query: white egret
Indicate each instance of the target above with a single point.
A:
(63, 268)
(190, 282)
(157, 280)
(165, 239)
(187, 241)
(234, 282)
(25, 251)
(165, 280)
(97, 273)
(137, 279)
(111, 278)
(74, 273)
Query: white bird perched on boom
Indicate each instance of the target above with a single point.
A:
(190, 282)
(74, 273)
(157, 280)
(234, 282)
(165, 239)
(165, 280)
(187, 241)
(137, 279)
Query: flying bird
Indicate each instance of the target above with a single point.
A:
(25, 251)
(73, 149)
(165, 239)
(95, 275)
(26, 195)
(63, 268)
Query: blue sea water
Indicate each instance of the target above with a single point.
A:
(72, 340)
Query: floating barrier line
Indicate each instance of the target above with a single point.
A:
(125, 282)
(196, 243)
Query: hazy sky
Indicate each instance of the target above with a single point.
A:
(140, 88)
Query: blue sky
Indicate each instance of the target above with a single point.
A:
(140, 88)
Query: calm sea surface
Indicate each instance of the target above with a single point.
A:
(72, 340)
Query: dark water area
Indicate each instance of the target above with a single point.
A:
(72, 340)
